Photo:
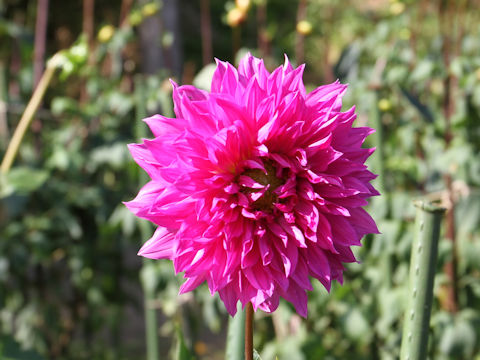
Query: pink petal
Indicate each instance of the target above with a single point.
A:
(160, 246)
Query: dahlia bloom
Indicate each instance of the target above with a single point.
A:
(256, 186)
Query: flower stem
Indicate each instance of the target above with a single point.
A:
(422, 273)
(300, 38)
(27, 116)
(249, 332)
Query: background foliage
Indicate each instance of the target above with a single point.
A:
(71, 286)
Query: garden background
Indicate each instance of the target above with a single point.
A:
(71, 285)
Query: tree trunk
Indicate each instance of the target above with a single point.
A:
(157, 51)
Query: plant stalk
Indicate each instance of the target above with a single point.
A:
(249, 332)
(447, 12)
(300, 38)
(422, 273)
(206, 32)
(40, 40)
(28, 115)
(263, 41)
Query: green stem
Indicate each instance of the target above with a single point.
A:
(422, 273)
(28, 115)
(235, 336)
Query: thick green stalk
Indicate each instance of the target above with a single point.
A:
(422, 273)
(151, 326)
(235, 336)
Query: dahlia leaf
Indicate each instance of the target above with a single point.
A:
(235, 336)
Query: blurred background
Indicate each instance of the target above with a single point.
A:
(71, 285)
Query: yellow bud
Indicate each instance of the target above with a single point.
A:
(235, 17)
(150, 9)
(243, 4)
(304, 27)
(135, 18)
(436, 86)
(477, 74)
(105, 33)
(397, 8)
(384, 104)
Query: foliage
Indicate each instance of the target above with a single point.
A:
(69, 278)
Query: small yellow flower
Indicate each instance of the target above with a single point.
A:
(477, 74)
(304, 27)
(235, 16)
(135, 18)
(384, 104)
(243, 4)
(436, 86)
(150, 9)
(106, 33)
(397, 8)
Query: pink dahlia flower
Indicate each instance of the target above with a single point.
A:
(256, 187)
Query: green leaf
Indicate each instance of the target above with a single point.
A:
(458, 339)
(62, 105)
(149, 276)
(422, 71)
(119, 104)
(356, 326)
(183, 352)
(256, 355)
(203, 79)
(235, 347)
(11, 350)
(23, 180)
(114, 155)
(456, 67)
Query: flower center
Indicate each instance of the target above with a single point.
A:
(266, 201)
